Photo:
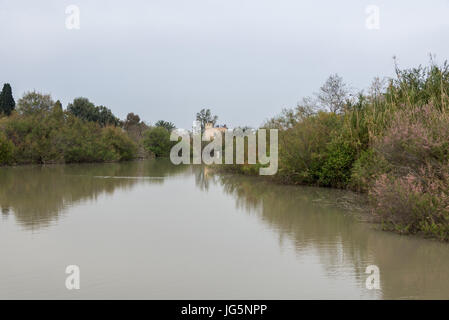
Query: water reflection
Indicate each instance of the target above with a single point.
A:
(37, 195)
(318, 219)
(321, 223)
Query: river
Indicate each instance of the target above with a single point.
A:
(152, 230)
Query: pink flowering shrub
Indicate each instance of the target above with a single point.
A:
(415, 203)
(413, 195)
(415, 137)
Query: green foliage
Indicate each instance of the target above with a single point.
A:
(135, 130)
(86, 110)
(7, 103)
(336, 169)
(366, 169)
(34, 102)
(288, 118)
(6, 150)
(122, 146)
(83, 109)
(57, 107)
(420, 86)
(106, 117)
(55, 136)
(303, 149)
(84, 142)
(157, 141)
(165, 124)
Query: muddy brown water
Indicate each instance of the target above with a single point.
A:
(152, 230)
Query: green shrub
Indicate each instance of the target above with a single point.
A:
(303, 148)
(123, 146)
(336, 169)
(6, 150)
(83, 142)
(366, 169)
(54, 136)
(86, 110)
(157, 141)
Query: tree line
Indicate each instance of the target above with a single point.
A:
(38, 130)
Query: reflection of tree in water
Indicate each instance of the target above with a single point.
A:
(203, 177)
(37, 194)
(316, 219)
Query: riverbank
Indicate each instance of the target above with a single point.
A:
(392, 144)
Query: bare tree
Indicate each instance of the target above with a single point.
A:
(333, 94)
(377, 87)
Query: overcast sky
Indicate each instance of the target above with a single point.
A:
(244, 59)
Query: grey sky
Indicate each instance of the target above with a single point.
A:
(244, 59)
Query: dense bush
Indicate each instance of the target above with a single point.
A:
(44, 133)
(366, 169)
(86, 110)
(6, 150)
(415, 203)
(157, 141)
(307, 151)
(122, 146)
(336, 169)
(413, 194)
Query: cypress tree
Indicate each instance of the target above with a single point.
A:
(7, 103)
